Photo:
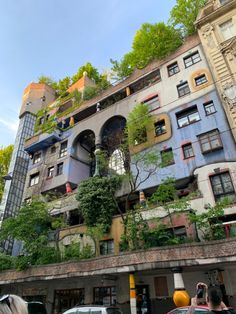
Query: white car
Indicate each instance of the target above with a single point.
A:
(94, 309)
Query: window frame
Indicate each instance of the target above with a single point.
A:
(231, 29)
(208, 136)
(186, 146)
(162, 127)
(37, 158)
(63, 150)
(33, 178)
(172, 67)
(50, 172)
(184, 86)
(218, 196)
(201, 79)
(107, 250)
(60, 167)
(170, 162)
(192, 60)
(211, 104)
(187, 113)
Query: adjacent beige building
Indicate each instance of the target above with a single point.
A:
(216, 24)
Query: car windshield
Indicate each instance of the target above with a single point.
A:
(191, 310)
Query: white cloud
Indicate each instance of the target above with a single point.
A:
(12, 126)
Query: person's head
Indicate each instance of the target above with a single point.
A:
(214, 296)
(12, 304)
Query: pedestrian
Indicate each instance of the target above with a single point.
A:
(212, 295)
(12, 304)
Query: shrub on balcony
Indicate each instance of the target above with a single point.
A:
(97, 202)
(74, 251)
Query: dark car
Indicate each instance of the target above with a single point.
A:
(35, 307)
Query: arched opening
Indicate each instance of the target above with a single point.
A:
(83, 149)
(113, 136)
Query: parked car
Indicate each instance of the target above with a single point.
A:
(200, 309)
(96, 309)
(35, 307)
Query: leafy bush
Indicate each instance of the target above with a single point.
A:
(6, 262)
(74, 252)
(97, 201)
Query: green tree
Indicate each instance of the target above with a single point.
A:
(48, 80)
(5, 158)
(209, 222)
(32, 227)
(63, 85)
(151, 41)
(184, 14)
(96, 200)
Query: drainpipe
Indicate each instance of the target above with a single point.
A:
(132, 292)
(180, 296)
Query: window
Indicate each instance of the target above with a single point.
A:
(116, 161)
(63, 150)
(187, 116)
(34, 179)
(167, 157)
(210, 141)
(188, 151)
(106, 247)
(224, 1)
(193, 58)
(173, 69)
(183, 89)
(53, 149)
(209, 108)
(59, 168)
(104, 295)
(222, 186)
(228, 29)
(41, 120)
(160, 127)
(50, 172)
(152, 102)
(37, 158)
(200, 80)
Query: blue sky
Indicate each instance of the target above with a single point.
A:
(56, 37)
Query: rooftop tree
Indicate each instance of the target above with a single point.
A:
(184, 14)
(151, 41)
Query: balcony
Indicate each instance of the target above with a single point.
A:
(42, 141)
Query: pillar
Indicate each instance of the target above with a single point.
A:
(133, 302)
(180, 296)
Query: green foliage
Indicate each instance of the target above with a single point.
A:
(89, 92)
(151, 41)
(96, 200)
(138, 235)
(136, 229)
(5, 158)
(92, 73)
(31, 226)
(139, 122)
(74, 252)
(6, 262)
(184, 14)
(209, 222)
(165, 192)
(48, 80)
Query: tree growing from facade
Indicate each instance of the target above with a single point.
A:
(5, 158)
(151, 41)
(97, 202)
(209, 222)
(32, 226)
(184, 14)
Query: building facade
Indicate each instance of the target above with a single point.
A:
(191, 125)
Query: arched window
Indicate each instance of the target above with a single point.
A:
(116, 161)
